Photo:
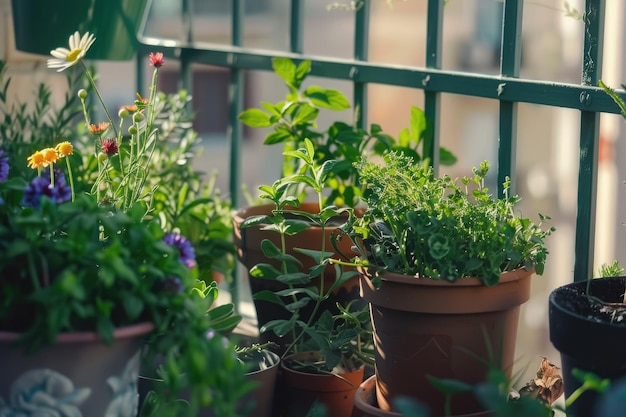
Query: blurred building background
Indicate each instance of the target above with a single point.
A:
(547, 153)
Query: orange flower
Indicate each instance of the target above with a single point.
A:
(36, 160)
(130, 109)
(50, 156)
(98, 129)
(64, 149)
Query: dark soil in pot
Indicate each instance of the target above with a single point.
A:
(590, 335)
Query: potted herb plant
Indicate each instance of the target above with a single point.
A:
(445, 267)
(323, 352)
(293, 121)
(97, 272)
(585, 311)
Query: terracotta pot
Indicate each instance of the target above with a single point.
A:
(80, 375)
(365, 404)
(588, 336)
(300, 390)
(115, 24)
(262, 396)
(446, 330)
(248, 242)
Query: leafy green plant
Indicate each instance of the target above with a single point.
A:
(342, 339)
(71, 262)
(184, 198)
(419, 224)
(294, 120)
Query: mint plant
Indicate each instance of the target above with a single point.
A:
(340, 338)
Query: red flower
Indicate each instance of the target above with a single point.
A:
(109, 147)
(156, 59)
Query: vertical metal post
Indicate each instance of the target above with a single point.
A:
(295, 26)
(186, 79)
(510, 56)
(361, 46)
(234, 133)
(432, 99)
(589, 138)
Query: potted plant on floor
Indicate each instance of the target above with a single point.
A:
(325, 349)
(586, 311)
(80, 271)
(293, 121)
(445, 268)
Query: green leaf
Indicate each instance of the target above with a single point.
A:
(270, 296)
(296, 278)
(327, 98)
(269, 249)
(255, 118)
(264, 271)
(279, 327)
(285, 68)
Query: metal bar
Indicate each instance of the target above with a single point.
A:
(234, 131)
(589, 139)
(432, 98)
(573, 96)
(295, 26)
(511, 51)
(361, 46)
(186, 76)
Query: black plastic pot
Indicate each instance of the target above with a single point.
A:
(588, 335)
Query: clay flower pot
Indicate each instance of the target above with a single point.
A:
(80, 375)
(446, 330)
(300, 390)
(248, 242)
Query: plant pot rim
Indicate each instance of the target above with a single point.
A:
(124, 332)
(505, 277)
(465, 296)
(365, 400)
(342, 379)
(275, 359)
(567, 325)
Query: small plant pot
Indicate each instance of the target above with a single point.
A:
(248, 242)
(299, 391)
(365, 404)
(447, 330)
(261, 398)
(587, 336)
(79, 375)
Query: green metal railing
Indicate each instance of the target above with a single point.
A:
(506, 87)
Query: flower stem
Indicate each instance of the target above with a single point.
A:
(95, 88)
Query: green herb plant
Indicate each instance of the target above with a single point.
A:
(342, 339)
(295, 119)
(428, 226)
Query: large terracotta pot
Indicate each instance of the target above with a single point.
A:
(588, 336)
(248, 242)
(300, 390)
(445, 330)
(115, 23)
(79, 376)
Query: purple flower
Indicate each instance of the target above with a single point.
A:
(4, 166)
(173, 285)
(40, 186)
(187, 254)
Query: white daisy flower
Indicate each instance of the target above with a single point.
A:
(65, 58)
